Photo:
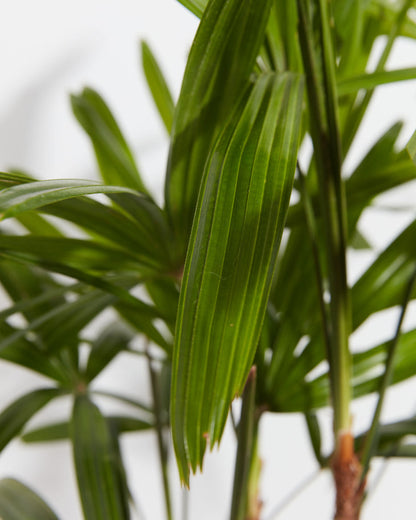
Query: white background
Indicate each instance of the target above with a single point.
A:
(49, 49)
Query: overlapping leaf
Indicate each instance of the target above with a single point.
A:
(17, 414)
(158, 86)
(61, 431)
(195, 6)
(234, 243)
(219, 66)
(19, 502)
(99, 474)
(115, 159)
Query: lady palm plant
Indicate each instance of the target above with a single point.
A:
(224, 306)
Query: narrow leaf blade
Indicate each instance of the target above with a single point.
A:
(17, 414)
(158, 86)
(19, 502)
(220, 63)
(99, 478)
(235, 238)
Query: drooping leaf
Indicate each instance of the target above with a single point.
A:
(17, 414)
(383, 284)
(33, 195)
(26, 354)
(19, 502)
(158, 86)
(370, 81)
(111, 341)
(136, 223)
(61, 431)
(115, 159)
(234, 243)
(60, 327)
(142, 323)
(84, 255)
(100, 478)
(221, 60)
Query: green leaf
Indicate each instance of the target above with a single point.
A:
(111, 341)
(84, 255)
(371, 80)
(61, 431)
(136, 223)
(391, 435)
(100, 478)
(19, 502)
(60, 326)
(33, 195)
(382, 285)
(195, 6)
(235, 239)
(38, 225)
(411, 147)
(26, 354)
(17, 414)
(158, 86)
(142, 323)
(220, 63)
(115, 159)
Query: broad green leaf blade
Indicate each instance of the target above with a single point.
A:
(17, 414)
(195, 6)
(235, 239)
(61, 431)
(99, 476)
(34, 195)
(158, 86)
(19, 502)
(220, 63)
(115, 159)
(370, 81)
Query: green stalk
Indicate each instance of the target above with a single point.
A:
(313, 235)
(246, 449)
(327, 152)
(357, 114)
(370, 443)
(163, 456)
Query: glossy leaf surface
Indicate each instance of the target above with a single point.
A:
(234, 243)
(221, 60)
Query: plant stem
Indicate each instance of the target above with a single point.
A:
(246, 450)
(370, 442)
(327, 152)
(159, 432)
(313, 235)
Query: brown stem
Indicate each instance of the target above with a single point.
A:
(347, 471)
